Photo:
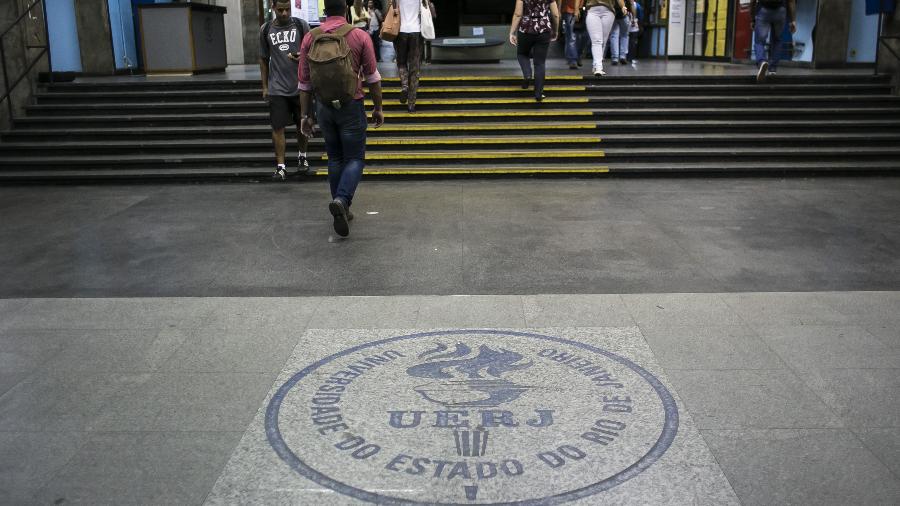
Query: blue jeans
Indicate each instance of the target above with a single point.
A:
(618, 39)
(573, 38)
(344, 131)
(769, 23)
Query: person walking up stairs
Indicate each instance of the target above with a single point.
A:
(333, 57)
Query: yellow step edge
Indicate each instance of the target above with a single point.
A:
(481, 78)
(493, 101)
(483, 89)
(443, 172)
(486, 114)
(472, 155)
(380, 141)
(412, 127)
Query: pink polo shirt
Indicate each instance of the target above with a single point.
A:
(360, 48)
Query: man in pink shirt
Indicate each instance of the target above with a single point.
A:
(343, 125)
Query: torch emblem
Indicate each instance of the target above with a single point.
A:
(461, 380)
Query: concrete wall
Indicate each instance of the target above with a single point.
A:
(94, 37)
(832, 33)
(17, 56)
(234, 43)
(887, 63)
(251, 23)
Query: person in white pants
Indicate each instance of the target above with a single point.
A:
(600, 17)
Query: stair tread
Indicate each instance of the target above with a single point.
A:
(488, 125)
(675, 99)
(264, 141)
(660, 167)
(483, 113)
(610, 125)
(493, 88)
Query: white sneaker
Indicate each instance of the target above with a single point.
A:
(761, 73)
(599, 73)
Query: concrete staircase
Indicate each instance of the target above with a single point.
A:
(199, 130)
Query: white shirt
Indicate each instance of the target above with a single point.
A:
(409, 15)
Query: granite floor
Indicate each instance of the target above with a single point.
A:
(686, 341)
(472, 237)
(781, 397)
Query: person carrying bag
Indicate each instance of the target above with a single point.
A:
(390, 27)
(415, 16)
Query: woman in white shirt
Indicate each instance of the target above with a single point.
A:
(408, 46)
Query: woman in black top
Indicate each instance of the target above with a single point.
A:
(535, 25)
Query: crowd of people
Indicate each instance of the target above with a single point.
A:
(314, 79)
(605, 24)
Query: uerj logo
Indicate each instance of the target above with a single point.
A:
(471, 417)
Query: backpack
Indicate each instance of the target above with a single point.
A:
(331, 66)
(299, 23)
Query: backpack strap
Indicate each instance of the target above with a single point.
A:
(344, 30)
(302, 25)
(340, 31)
(264, 33)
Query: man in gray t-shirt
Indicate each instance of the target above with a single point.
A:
(279, 45)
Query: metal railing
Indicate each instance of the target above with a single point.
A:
(8, 86)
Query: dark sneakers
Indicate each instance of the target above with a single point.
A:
(338, 209)
(303, 168)
(404, 95)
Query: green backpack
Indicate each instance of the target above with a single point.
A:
(331, 66)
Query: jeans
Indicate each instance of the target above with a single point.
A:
(344, 131)
(376, 43)
(769, 23)
(633, 39)
(534, 46)
(573, 46)
(618, 39)
(599, 22)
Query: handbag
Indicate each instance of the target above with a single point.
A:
(580, 25)
(426, 21)
(390, 27)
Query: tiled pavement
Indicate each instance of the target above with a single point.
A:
(783, 397)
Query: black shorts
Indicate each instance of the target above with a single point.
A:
(284, 111)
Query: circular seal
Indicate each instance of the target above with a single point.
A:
(471, 417)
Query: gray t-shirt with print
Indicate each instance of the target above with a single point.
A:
(275, 43)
